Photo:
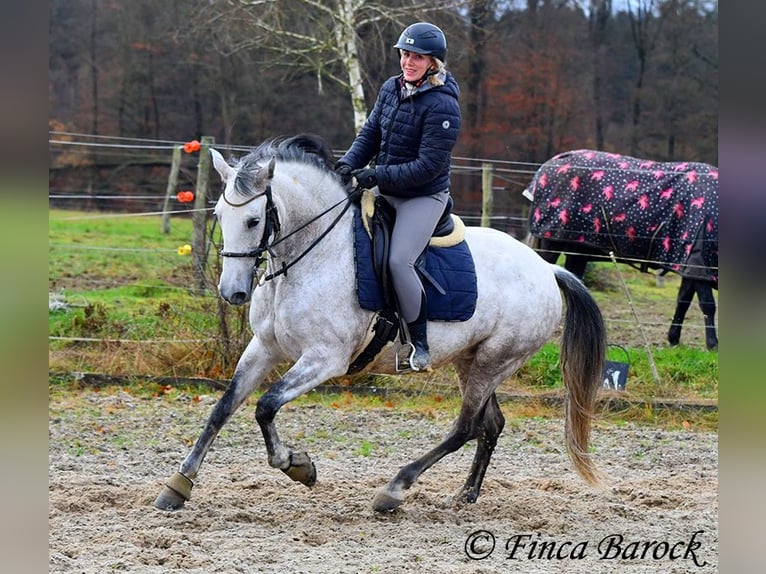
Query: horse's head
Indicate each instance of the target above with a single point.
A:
(245, 220)
(248, 213)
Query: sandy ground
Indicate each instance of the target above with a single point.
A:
(110, 453)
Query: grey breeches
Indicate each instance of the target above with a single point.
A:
(416, 219)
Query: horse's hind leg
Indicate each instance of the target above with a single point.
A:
(391, 496)
(477, 389)
(246, 376)
(492, 423)
(707, 306)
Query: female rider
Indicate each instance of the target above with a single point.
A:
(410, 134)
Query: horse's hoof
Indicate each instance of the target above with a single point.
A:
(387, 500)
(301, 469)
(465, 496)
(469, 496)
(176, 492)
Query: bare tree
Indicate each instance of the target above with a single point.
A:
(682, 80)
(480, 16)
(645, 29)
(93, 65)
(598, 18)
(320, 36)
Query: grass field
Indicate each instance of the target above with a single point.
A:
(122, 304)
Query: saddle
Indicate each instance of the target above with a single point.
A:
(378, 218)
(448, 275)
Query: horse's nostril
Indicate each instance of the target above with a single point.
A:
(238, 298)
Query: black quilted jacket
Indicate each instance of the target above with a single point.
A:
(410, 138)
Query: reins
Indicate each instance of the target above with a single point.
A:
(272, 227)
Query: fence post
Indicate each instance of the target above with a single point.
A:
(199, 215)
(486, 194)
(175, 167)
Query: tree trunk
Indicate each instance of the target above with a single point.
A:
(345, 39)
(93, 66)
(600, 11)
(477, 35)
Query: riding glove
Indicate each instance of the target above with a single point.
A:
(344, 172)
(365, 177)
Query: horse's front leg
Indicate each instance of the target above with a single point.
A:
(683, 301)
(307, 373)
(253, 366)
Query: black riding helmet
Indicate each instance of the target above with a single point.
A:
(424, 38)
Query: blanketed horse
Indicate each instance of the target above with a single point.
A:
(652, 215)
(282, 205)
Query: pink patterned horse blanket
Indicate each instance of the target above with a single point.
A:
(662, 213)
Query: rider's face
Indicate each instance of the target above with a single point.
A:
(414, 65)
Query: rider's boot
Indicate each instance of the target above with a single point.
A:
(420, 360)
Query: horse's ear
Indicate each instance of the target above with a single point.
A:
(220, 165)
(264, 173)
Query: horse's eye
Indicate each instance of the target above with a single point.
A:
(252, 222)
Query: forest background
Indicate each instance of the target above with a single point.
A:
(538, 77)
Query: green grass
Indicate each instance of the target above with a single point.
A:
(149, 310)
(112, 248)
(684, 373)
(137, 303)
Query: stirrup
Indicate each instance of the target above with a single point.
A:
(403, 364)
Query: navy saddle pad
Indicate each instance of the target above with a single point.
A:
(452, 267)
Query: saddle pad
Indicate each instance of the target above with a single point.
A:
(452, 267)
(662, 212)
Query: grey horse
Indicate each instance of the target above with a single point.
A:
(283, 205)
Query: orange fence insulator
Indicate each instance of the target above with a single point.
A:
(192, 146)
(185, 196)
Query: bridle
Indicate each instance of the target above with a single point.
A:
(272, 227)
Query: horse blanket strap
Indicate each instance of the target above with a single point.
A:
(663, 212)
(449, 278)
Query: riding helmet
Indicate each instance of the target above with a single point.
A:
(424, 38)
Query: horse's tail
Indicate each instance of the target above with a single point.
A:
(583, 349)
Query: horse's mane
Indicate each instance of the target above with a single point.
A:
(305, 148)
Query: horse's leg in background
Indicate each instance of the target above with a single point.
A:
(707, 306)
(253, 366)
(492, 423)
(551, 250)
(308, 372)
(545, 249)
(576, 264)
(486, 373)
(683, 301)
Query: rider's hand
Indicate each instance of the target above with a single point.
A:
(344, 172)
(365, 177)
